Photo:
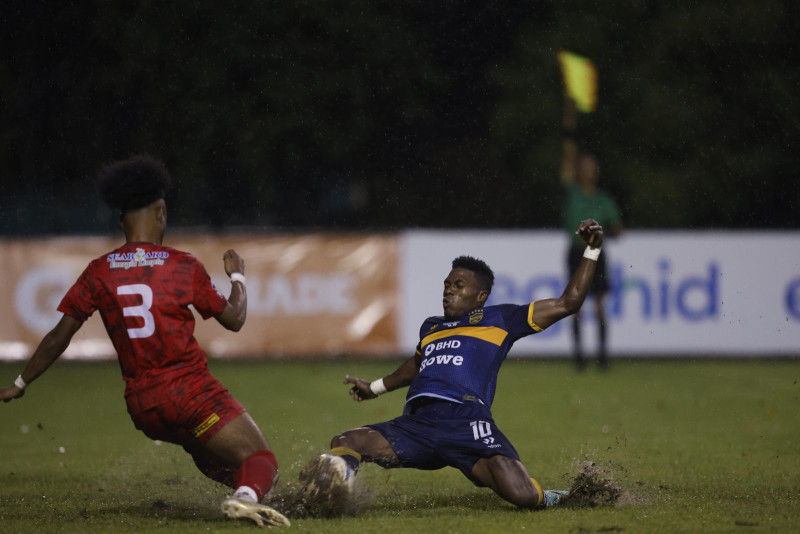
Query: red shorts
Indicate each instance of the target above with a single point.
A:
(184, 408)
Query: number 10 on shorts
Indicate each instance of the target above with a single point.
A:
(480, 429)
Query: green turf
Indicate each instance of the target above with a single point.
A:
(707, 446)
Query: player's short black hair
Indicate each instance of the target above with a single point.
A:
(482, 271)
(133, 183)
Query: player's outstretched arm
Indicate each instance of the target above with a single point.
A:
(549, 311)
(53, 345)
(402, 377)
(235, 312)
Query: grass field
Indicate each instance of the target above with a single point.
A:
(706, 446)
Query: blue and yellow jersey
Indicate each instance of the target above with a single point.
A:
(460, 357)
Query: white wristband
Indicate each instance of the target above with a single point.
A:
(238, 277)
(592, 253)
(20, 383)
(377, 387)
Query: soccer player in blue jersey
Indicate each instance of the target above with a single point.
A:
(452, 376)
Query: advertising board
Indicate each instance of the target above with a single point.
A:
(673, 293)
(308, 295)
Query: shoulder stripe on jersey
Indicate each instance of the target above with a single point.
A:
(535, 326)
(492, 334)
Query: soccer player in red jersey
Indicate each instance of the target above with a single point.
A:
(143, 291)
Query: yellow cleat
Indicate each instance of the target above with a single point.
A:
(326, 473)
(327, 486)
(260, 513)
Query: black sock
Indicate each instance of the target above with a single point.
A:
(603, 357)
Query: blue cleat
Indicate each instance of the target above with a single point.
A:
(553, 497)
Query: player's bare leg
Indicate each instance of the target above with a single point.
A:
(328, 478)
(237, 440)
(511, 481)
(370, 444)
(240, 443)
(213, 467)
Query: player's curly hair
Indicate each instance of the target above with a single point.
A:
(482, 271)
(133, 183)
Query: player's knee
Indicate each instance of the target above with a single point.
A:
(342, 440)
(355, 439)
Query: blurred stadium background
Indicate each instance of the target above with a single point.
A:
(392, 115)
(321, 138)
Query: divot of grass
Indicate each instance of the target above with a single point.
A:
(592, 487)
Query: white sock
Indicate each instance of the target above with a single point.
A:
(245, 493)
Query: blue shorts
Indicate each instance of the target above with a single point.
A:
(435, 433)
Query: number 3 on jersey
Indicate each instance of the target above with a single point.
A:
(143, 310)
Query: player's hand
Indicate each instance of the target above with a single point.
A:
(591, 232)
(233, 263)
(10, 393)
(360, 390)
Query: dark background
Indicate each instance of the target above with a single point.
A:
(386, 115)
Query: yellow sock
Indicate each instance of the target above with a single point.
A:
(350, 456)
(346, 451)
(539, 490)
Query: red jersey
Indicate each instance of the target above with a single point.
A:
(143, 292)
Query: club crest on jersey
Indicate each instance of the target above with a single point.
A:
(140, 258)
(475, 316)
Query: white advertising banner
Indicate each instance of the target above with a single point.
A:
(673, 293)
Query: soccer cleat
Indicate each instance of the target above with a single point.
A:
(260, 513)
(327, 483)
(553, 497)
(325, 473)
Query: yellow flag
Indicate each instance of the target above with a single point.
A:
(580, 80)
